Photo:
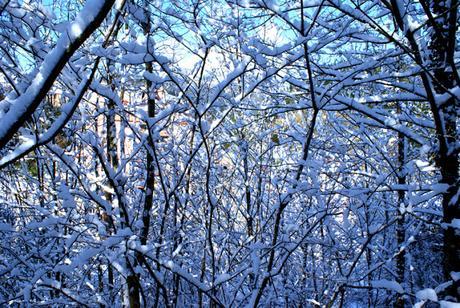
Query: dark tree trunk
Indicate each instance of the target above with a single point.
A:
(400, 225)
(442, 48)
(132, 280)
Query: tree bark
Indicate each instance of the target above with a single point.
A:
(442, 48)
(400, 224)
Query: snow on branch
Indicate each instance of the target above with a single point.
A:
(87, 21)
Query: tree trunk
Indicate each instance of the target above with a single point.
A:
(442, 48)
(400, 224)
(132, 280)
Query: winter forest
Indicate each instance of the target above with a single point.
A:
(229, 153)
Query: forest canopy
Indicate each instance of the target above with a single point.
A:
(229, 153)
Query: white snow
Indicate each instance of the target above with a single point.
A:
(427, 294)
(222, 278)
(23, 103)
(387, 284)
(455, 275)
(447, 304)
